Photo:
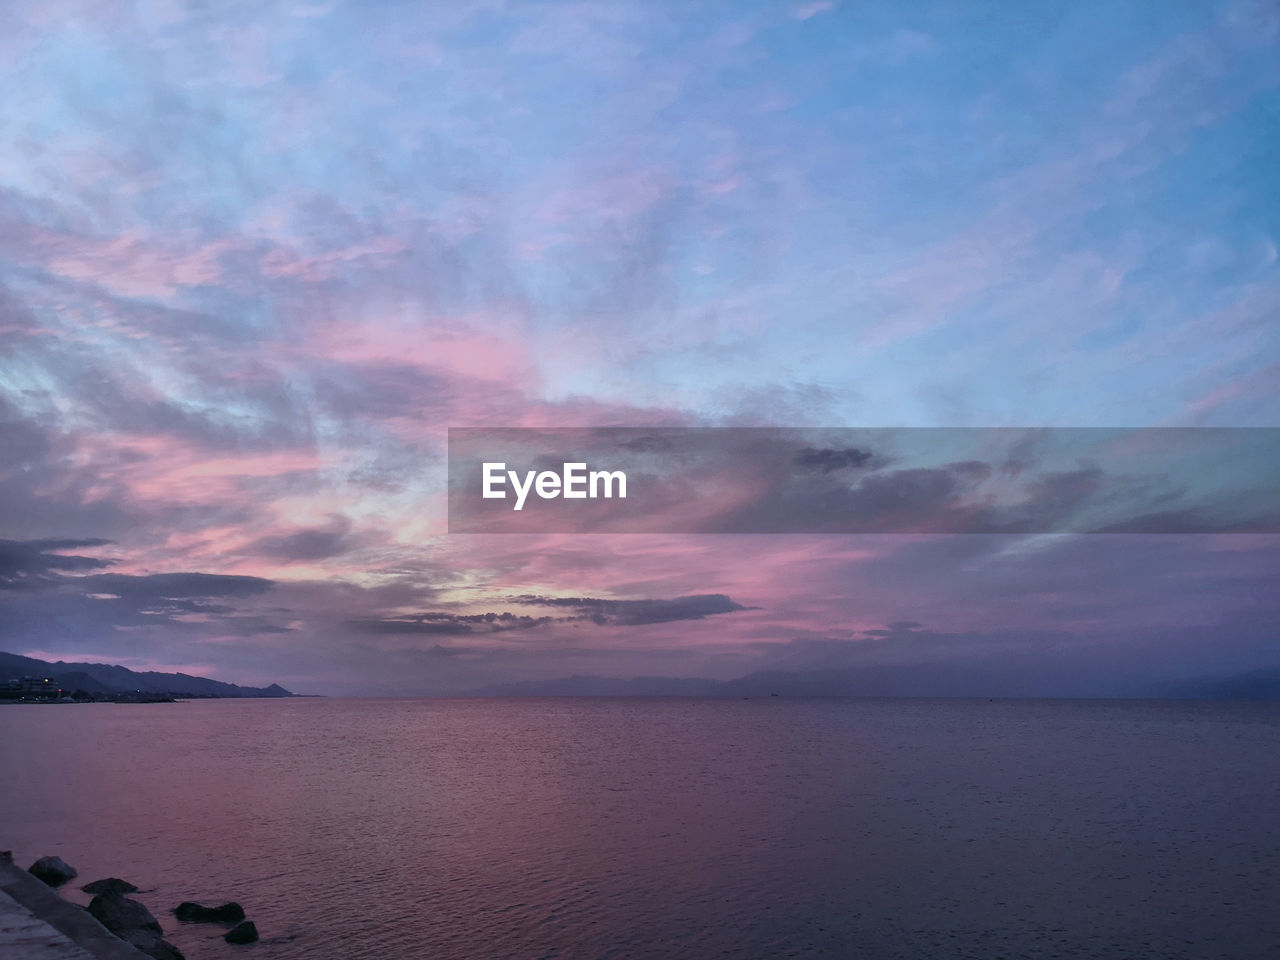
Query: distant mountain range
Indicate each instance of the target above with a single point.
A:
(931, 680)
(1255, 685)
(917, 680)
(581, 686)
(104, 679)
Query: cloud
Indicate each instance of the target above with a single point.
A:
(593, 610)
(223, 330)
(826, 460)
(638, 612)
(25, 562)
(171, 586)
(449, 623)
(303, 545)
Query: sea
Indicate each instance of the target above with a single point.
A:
(439, 829)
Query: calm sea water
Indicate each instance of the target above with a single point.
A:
(413, 829)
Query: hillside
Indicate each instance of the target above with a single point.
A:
(107, 679)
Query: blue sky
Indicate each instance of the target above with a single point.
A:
(257, 257)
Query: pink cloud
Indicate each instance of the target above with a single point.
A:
(134, 267)
(164, 469)
(458, 346)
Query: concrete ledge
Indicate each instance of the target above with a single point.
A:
(70, 921)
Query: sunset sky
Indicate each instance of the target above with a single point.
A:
(256, 258)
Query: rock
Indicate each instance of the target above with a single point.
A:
(52, 870)
(152, 944)
(191, 912)
(244, 933)
(109, 886)
(132, 922)
(121, 915)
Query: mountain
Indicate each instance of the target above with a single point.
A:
(106, 679)
(580, 686)
(915, 681)
(1255, 685)
(974, 679)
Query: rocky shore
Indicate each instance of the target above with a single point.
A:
(114, 926)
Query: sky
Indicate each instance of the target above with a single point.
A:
(256, 258)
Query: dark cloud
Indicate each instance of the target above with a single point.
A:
(1186, 520)
(251, 626)
(28, 562)
(173, 586)
(114, 599)
(58, 601)
(601, 612)
(449, 623)
(637, 612)
(826, 460)
(312, 544)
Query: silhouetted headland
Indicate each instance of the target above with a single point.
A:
(26, 679)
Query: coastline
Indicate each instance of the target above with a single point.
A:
(36, 923)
